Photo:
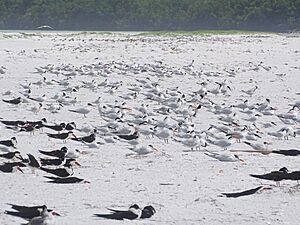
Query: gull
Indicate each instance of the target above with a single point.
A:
(224, 156)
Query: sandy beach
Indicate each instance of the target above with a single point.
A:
(183, 185)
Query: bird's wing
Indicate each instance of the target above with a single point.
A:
(243, 193)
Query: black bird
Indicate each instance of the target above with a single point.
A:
(61, 153)
(134, 212)
(39, 122)
(277, 176)
(26, 212)
(9, 143)
(295, 175)
(62, 136)
(30, 128)
(70, 126)
(148, 211)
(11, 155)
(57, 127)
(13, 122)
(291, 152)
(60, 172)
(58, 162)
(33, 161)
(65, 180)
(9, 167)
(88, 139)
(243, 193)
(14, 101)
(129, 137)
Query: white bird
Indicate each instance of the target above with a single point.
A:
(223, 143)
(251, 91)
(82, 110)
(224, 156)
(72, 154)
(46, 218)
(164, 133)
(258, 146)
(35, 109)
(143, 150)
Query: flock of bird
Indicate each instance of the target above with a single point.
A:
(135, 111)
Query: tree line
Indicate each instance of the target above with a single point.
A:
(110, 15)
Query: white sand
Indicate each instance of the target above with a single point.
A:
(117, 180)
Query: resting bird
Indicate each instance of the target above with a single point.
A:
(134, 212)
(14, 101)
(26, 212)
(243, 193)
(65, 180)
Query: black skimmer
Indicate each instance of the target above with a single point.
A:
(70, 126)
(277, 176)
(13, 122)
(148, 211)
(11, 155)
(62, 136)
(66, 180)
(243, 193)
(134, 212)
(295, 175)
(60, 172)
(61, 153)
(9, 143)
(57, 127)
(9, 167)
(129, 137)
(44, 219)
(26, 212)
(58, 162)
(88, 139)
(33, 161)
(14, 101)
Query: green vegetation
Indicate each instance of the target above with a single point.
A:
(110, 15)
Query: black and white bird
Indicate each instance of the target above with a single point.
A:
(60, 153)
(9, 143)
(14, 101)
(134, 212)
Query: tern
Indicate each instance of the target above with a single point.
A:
(224, 156)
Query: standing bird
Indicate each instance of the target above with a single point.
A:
(277, 176)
